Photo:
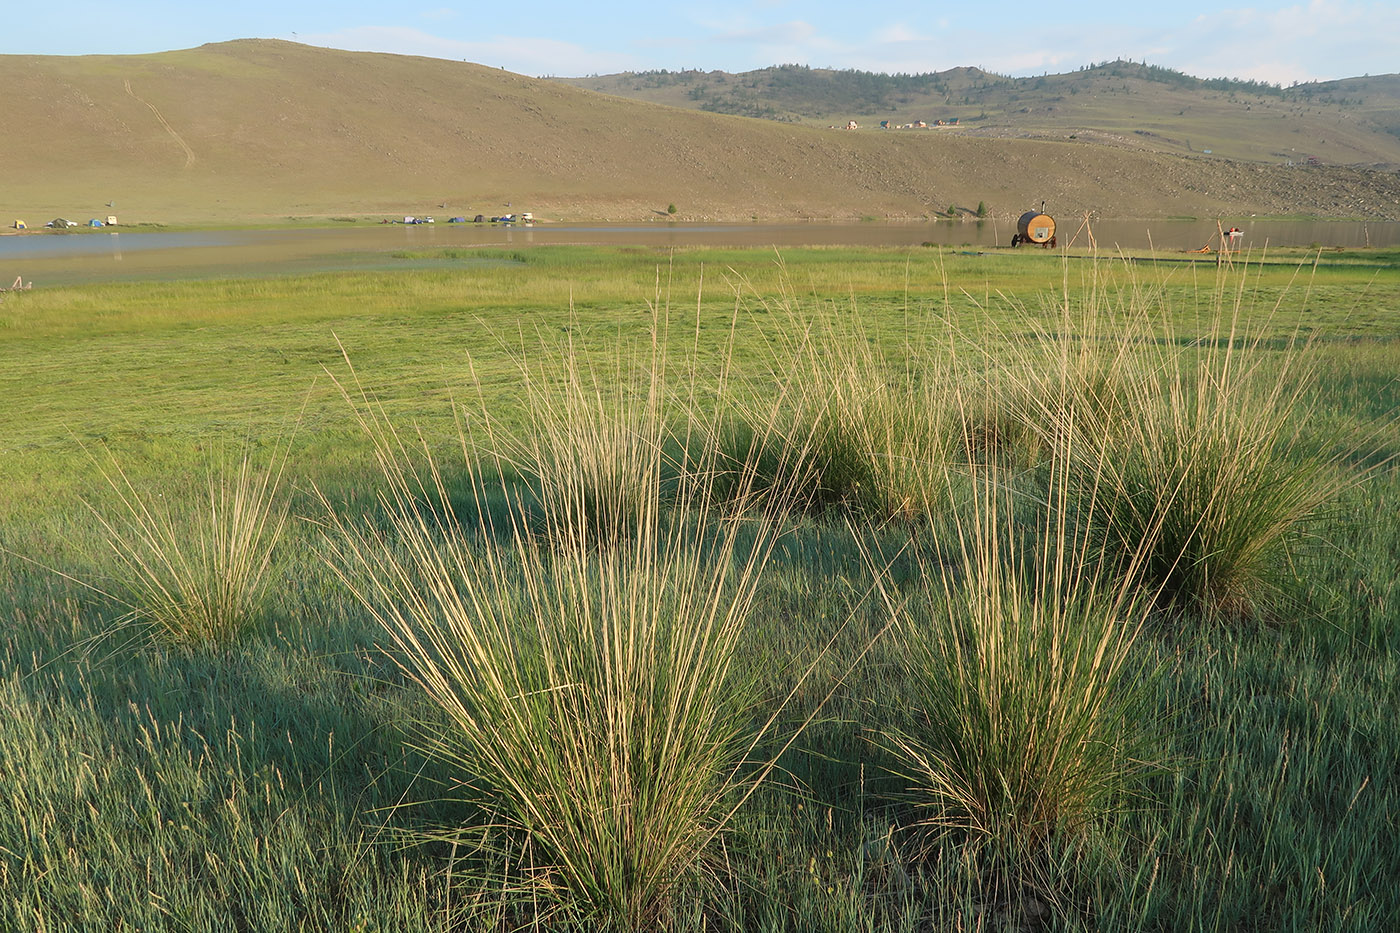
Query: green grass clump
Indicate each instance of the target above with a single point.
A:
(1205, 446)
(1029, 719)
(898, 428)
(1217, 474)
(592, 451)
(861, 426)
(197, 574)
(584, 676)
(272, 783)
(1216, 464)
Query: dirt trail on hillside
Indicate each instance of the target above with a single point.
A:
(160, 118)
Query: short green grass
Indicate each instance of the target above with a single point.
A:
(273, 781)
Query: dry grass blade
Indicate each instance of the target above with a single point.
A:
(1200, 446)
(197, 574)
(870, 427)
(583, 675)
(1029, 719)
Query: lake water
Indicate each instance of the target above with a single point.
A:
(112, 255)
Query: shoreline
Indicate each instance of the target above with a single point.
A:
(341, 222)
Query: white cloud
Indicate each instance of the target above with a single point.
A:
(899, 32)
(1312, 39)
(789, 33)
(1319, 39)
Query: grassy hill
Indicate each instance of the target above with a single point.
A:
(1354, 121)
(261, 130)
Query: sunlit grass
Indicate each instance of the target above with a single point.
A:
(196, 573)
(1205, 446)
(266, 784)
(1030, 714)
(585, 673)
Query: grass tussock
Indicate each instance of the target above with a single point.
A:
(863, 426)
(1204, 447)
(197, 574)
(596, 451)
(1028, 720)
(584, 677)
(606, 631)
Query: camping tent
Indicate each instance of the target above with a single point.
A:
(58, 223)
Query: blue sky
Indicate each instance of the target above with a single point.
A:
(1267, 41)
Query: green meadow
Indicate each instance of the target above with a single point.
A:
(635, 589)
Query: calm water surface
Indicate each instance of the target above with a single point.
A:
(103, 255)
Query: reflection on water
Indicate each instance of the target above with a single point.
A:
(75, 257)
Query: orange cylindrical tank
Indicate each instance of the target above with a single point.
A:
(1036, 227)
